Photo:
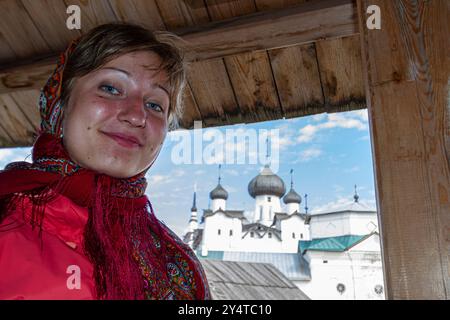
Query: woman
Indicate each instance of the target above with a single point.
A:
(76, 224)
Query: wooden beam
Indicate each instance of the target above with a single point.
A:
(406, 66)
(305, 23)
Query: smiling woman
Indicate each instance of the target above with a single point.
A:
(75, 223)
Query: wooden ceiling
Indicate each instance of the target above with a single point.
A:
(251, 60)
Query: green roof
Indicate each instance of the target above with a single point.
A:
(212, 255)
(337, 244)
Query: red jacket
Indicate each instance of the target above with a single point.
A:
(47, 266)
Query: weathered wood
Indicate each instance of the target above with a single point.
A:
(191, 110)
(13, 121)
(143, 12)
(406, 75)
(340, 68)
(297, 79)
(94, 13)
(259, 31)
(27, 101)
(250, 73)
(53, 29)
(20, 32)
(263, 5)
(178, 14)
(253, 84)
(212, 90)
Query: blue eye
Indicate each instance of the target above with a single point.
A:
(154, 106)
(109, 89)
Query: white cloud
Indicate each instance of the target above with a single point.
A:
(352, 169)
(349, 120)
(232, 172)
(319, 117)
(309, 154)
(5, 153)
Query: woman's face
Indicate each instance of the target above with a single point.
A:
(116, 118)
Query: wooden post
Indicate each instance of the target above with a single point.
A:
(406, 65)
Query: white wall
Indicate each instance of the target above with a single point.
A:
(268, 209)
(338, 224)
(359, 271)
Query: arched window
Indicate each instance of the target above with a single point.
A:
(293, 235)
(231, 232)
(270, 234)
(269, 199)
(251, 234)
(218, 232)
(301, 235)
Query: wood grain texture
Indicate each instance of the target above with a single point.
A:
(298, 81)
(253, 84)
(179, 14)
(19, 31)
(54, 29)
(340, 68)
(249, 73)
(14, 122)
(93, 13)
(406, 76)
(143, 12)
(213, 92)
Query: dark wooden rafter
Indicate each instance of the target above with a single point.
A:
(305, 23)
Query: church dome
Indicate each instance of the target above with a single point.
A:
(218, 193)
(292, 197)
(266, 183)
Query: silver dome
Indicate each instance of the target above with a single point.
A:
(292, 197)
(266, 183)
(218, 193)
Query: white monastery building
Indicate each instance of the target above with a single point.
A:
(328, 255)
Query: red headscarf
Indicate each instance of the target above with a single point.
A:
(134, 255)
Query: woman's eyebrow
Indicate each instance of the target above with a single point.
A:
(117, 69)
(157, 85)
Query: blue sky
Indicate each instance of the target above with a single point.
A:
(329, 154)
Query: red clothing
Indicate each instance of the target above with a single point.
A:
(34, 267)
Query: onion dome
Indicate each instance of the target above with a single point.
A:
(292, 197)
(218, 193)
(266, 183)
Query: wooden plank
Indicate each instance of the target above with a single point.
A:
(250, 73)
(191, 111)
(258, 31)
(6, 52)
(143, 12)
(19, 30)
(28, 101)
(253, 84)
(340, 68)
(15, 123)
(32, 75)
(406, 75)
(221, 10)
(179, 14)
(210, 88)
(264, 5)
(93, 13)
(297, 79)
(213, 92)
(56, 33)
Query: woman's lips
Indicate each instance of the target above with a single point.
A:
(123, 140)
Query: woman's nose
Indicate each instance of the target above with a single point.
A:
(133, 112)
